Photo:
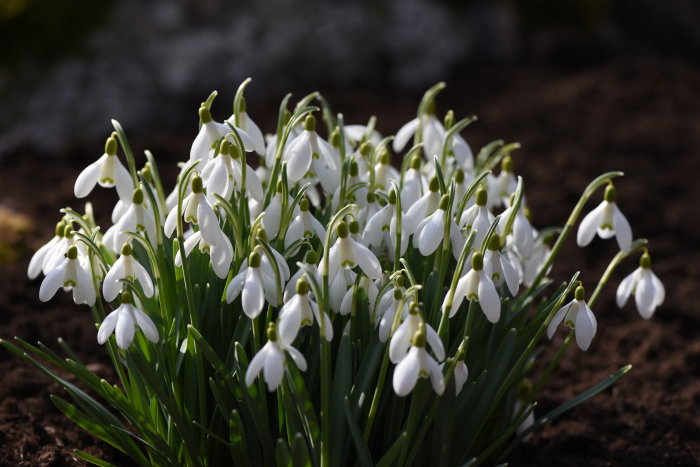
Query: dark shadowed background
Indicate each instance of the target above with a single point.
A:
(586, 86)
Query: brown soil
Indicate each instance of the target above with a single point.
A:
(642, 117)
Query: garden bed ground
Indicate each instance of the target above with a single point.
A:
(639, 116)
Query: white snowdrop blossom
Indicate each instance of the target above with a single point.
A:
(422, 208)
(433, 133)
(461, 374)
(126, 267)
(271, 358)
(347, 253)
(414, 183)
(123, 321)
(578, 316)
(220, 253)
(499, 268)
(402, 337)
(249, 127)
(478, 218)
(37, 261)
(381, 229)
(648, 291)
(477, 286)
(71, 276)
(417, 364)
(308, 151)
(302, 305)
(503, 185)
(107, 171)
(197, 210)
(429, 233)
(209, 133)
(137, 218)
(383, 172)
(303, 225)
(606, 220)
(521, 231)
(255, 286)
(223, 174)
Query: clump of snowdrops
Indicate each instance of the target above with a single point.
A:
(352, 299)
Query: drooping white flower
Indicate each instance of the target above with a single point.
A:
(477, 286)
(311, 260)
(358, 133)
(433, 133)
(137, 218)
(503, 185)
(499, 268)
(220, 253)
(340, 284)
(303, 225)
(371, 292)
(647, 289)
(461, 374)
(197, 210)
(522, 234)
(126, 267)
(388, 307)
(429, 233)
(478, 218)
(123, 322)
(347, 253)
(223, 174)
(606, 220)
(71, 276)
(383, 172)
(402, 337)
(381, 229)
(107, 171)
(256, 284)
(271, 358)
(536, 260)
(209, 133)
(310, 151)
(37, 261)
(301, 304)
(417, 364)
(245, 123)
(422, 208)
(414, 183)
(578, 316)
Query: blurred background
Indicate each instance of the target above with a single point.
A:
(67, 67)
(586, 86)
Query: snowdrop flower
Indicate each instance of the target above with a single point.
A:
(461, 374)
(69, 275)
(223, 174)
(303, 225)
(504, 184)
(209, 133)
(477, 286)
(402, 337)
(417, 364)
(197, 210)
(107, 171)
(358, 133)
(389, 310)
(532, 263)
(422, 208)
(220, 253)
(381, 228)
(302, 305)
(521, 231)
(272, 215)
(384, 171)
(55, 255)
(432, 132)
(37, 261)
(137, 218)
(126, 267)
(271, 360)
(577, 316)
(308, 148)
(606, 220)
(249, 127)
(498, 268)
(429, 232)
(347, 253)
(647, 289)
(123, 322)
(414, 183)
(478, 218)
(371, 292)
(257, 282)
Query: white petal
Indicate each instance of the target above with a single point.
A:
(488, 298)
(623, 231)
(125, 327)
(253, 184)
(644, 295)
(256, 364)
(52, 282)
(295, 232)
(511, 276)
(271, 217)
(208, 222)
(435, 342)
(221, 257)
(87, 179)
(461, 374)
(38, 258)
(145, 280)
(589, 225)
(557, 319)
(586, 326)
(235, 286)
(111, 285)
(273, 369)
(366, 260)
(459, 295)
(298, 157)
(624, 290)
(400, 342)
(297, 356)
(252, 297)
(659, 291)
(85, 286)
(123, 182)
(170, 222)
(255, 134)
(107, 327)
(404, 134)
(406, 373)
(436, 376)
(147, 325)
(346, 304)
(432, 233)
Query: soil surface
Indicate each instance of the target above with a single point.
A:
(641, 116)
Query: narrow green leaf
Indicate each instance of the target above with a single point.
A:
(365, 458)
(92, 459)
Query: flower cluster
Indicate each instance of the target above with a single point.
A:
(339, 243)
